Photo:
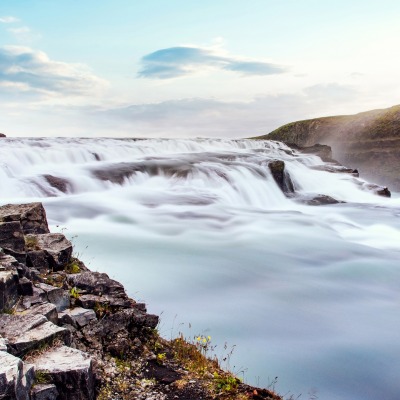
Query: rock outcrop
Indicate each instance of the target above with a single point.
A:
(369, 141)
(67, 333)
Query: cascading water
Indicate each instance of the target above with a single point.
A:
(200, 229)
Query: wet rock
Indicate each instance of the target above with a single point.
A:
(28, 332)
(44, 392)
(58, 296)
(281, 176)
(32, 216)
(16, 378)
(379, 190)
(8, 289)
(70, 370)
(12, 239)
(77, 317)
(56, 246)
(319, 200)
(97, 283)
(60, 184)
(336, 169)
(2, 135)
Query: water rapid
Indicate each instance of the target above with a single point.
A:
(200, 230)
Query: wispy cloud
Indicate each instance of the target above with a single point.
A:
(23, 69)
(19, 31)
(8, 20)
(174, 62)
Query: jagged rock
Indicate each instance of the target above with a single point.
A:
(70, 370)
(8, 289)
(48, 310)
(25, 287)
(97, 283)
(38, 259)
(77, 317)
(7, 261)
(16, 378)
(58, 296)
(44, 392)
(38, 297)
(92, 301)
(27, 332)
(12, 239)
(32, 216)
(55, 245)
(60, 184)
(281, 176)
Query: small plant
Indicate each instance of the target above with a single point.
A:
(102, 309)
(42, 377)
(73, 266)
(226, 382)
(161, 358)
(74, 292)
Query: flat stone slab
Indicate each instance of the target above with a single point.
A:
(77, 317)
(28, 332)
(70, 370)
(16, 378)
(48, 310)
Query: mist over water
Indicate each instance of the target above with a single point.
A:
(200, 231)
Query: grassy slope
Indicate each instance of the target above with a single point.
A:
(369, 141)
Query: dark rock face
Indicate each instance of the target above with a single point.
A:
(321, 150)
(12, 239)
(369, 140)
(379, 190)
(32, 216)
(2, 135)
(281, 176)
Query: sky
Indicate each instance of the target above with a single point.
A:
(209, 68)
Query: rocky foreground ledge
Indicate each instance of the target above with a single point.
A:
(69, 333)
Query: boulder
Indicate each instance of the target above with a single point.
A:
(97, 283)
(32, 216)
(2, 135)
(379, 190)
(96, 302)
(55, 295)
(16, 377)
(281, 176)
(70, 370)
(12, 239)
(38, 259)
(25, 287)
(38, 297)
(319, 200)
(77, 317)
(44, 392)
(56, 247)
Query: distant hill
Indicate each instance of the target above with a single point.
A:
(368, 141)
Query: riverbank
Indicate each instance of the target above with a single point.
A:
(69, 333)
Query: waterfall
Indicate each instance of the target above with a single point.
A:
(201, 229)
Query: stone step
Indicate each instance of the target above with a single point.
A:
(29, 332)
(77, 317)
(70, 370)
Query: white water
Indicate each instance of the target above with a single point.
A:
(202, 233)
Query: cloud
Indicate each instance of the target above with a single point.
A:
(179, 61)
(8, 20)
(25, 70)
(19, 31)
